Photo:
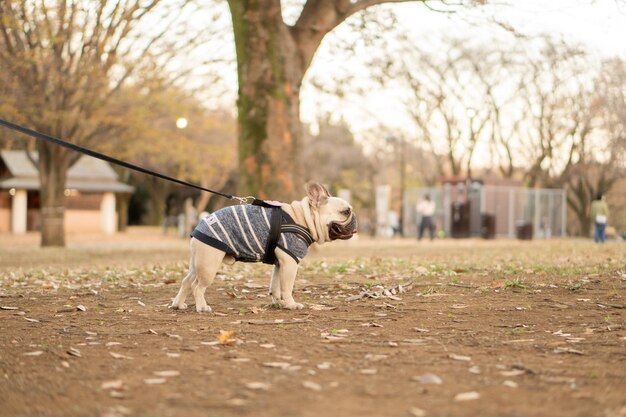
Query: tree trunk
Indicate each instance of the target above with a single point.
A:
(159, 190)
(270, 75)
(53, 166)
(122, 201)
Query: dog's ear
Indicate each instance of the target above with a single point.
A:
(317, 193)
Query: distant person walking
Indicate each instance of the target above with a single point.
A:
(426, 209)
(600, 217)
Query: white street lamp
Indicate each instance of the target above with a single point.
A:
(181, 123)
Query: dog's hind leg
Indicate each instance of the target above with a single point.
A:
(275, 285)
(185, 287)
(207, 261)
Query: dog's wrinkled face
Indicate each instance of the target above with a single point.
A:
(334, 213)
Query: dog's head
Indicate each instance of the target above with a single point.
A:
(335, 214)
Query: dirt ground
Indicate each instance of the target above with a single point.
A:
(391, 328)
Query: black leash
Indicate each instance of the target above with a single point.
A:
(98, 155)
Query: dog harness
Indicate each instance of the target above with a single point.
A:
(251, 233)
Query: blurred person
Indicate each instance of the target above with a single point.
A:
(426, 209)
(600, 217)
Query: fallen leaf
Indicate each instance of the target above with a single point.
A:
(154, 381)
(428, 378)
(240, 360)
(314, 386)
(74, 352)
(514, 372)
(374, 358)
(119, 356)
(267, 345)
(414, 341)
(226, 337)
(31, 320)
(258, 386)
(236, 402)
(459, 306)
(81, 307)
(467, 396)
(417, 329)
(150, 331)
(114, 384)
(112, 344)
(459, 357)
(174, 336)
(417, 412)
(166, 373)
(141, 303)
(568, 350)
(34, 353)
(281, 365)
(8, 308)
(173, 355)
(510, 384)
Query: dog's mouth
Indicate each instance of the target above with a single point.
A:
(345, 231)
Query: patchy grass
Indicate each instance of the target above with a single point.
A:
(535, 328)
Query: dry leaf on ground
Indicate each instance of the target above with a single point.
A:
(119, 356)
(467, 396)
(154, 381)
(314, 386)
(459, 357)
(263, 386)
(114, 384)
(428, 378)
(166, 373)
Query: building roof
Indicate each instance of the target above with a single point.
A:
(87, 174)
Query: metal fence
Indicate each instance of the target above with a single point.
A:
(490, 211)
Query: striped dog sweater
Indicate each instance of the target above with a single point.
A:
(242, 232)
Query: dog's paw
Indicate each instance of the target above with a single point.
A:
(203, 309)
(293, 306)
(178, 306)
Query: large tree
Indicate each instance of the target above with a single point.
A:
(272, 59)
(62, 63)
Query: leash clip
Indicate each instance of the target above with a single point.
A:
(243, 200)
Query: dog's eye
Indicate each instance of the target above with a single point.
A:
(346, 211)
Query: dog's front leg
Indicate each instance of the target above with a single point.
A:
(287, 270)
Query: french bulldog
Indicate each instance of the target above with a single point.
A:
(240, 233)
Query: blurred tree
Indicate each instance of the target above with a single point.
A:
(573, 123)
(62, 62)
(272, 58)
(451, 99)
(334, 158)
(202, 152)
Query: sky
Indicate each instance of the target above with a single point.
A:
(599, 25)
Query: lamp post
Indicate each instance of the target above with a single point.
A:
(402, 160)
(181, 123)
